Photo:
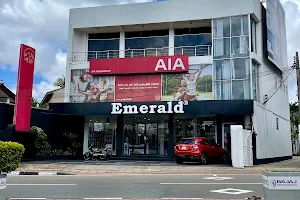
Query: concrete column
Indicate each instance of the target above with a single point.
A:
(122, 45)
(171, 136)
(171, 40)
(237, 146)
(119, 131)
(86, 138)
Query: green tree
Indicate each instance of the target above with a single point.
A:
(45, 105)
(295, 120)
(34, 102)
(60, 82)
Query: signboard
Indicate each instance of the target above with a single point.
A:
(22, 111)
(139, 88)
(281, 182)
(2, 183)
(276, 33)
(119, 108)
(160, 64)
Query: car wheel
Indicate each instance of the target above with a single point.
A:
(203, 158)
(179, 161)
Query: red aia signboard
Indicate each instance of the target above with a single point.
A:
(22, 110)
(145, 65)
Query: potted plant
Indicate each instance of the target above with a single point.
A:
(10, 158)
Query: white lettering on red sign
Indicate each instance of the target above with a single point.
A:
(170, 66)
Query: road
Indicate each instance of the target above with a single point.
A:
(135, 186)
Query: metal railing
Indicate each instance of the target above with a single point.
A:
(200, 50)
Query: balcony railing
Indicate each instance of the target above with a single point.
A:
(200, 50)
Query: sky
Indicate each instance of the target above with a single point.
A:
(43, 24)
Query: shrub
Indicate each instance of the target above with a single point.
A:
(75, 143)
(10, 156)
(41, 144)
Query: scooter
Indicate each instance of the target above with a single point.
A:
(98, 154)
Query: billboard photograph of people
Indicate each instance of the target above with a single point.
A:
(91, 89)
(194, 85)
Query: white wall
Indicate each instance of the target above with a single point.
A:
(270, 141)
(158, 12)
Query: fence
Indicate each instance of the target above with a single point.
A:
(200, 50)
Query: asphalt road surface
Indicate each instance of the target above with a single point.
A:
(135, 186)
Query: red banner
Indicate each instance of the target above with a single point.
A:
(22, 110)
(138, 88)
(160, 64)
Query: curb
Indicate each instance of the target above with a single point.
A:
(16, 173)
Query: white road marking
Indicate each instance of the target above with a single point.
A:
(42, 184)
(231, 191)
(181, 198)
(210, 183)
(27, 198)
(218, 178)
(108, 198)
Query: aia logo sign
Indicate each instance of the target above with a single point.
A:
(29, 55)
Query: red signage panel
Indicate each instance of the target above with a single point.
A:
(22, 111)
(138, 88)
(160, 64)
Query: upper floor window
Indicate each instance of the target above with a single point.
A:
(193, 41)
(146, 43)
(253, 35)
(231, 37)
(103, 45)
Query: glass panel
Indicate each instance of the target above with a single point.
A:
(240, 46)
(222, 28)
(241, 68)
(222, 69)
(222, 48)
(239, 26)
(187, 141)
(192, 40)
(253, 36)
(223, 90)
(241, 89)
(103, 45)
(227, 138)
(254, 80)
(144, 43)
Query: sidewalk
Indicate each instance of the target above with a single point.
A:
(147, 167)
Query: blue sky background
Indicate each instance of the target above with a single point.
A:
(26, 22)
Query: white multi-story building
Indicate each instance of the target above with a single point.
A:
(230, 69)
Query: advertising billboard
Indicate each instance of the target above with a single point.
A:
(194, 85)
(276, 33)
(138, 88)
(91, 89)
(22, 111)
(142, 65)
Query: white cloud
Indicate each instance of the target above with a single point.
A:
(44, 25)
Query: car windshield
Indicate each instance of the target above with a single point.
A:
(187, 141)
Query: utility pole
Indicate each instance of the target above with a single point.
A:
(296, 64)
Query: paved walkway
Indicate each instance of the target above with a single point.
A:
(146, 167)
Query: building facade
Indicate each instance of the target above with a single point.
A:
(146, 75)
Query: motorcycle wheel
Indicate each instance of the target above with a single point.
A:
(86, 156)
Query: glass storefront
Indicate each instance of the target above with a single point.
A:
(101, 132)
(186, 126)
(145, 135)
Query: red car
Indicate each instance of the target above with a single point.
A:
(198, 149)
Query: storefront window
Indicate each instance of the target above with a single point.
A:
(145, 135)
(194, 127)
(101, 133)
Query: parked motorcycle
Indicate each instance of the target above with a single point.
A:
(98, 154)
